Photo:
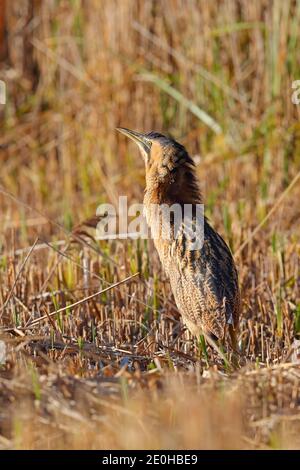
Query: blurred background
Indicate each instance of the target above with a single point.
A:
(215, 75)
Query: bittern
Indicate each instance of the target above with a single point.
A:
(204, 281)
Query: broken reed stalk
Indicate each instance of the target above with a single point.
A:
(75, 304)
(18, 275)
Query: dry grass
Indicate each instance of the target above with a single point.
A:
(118, 370)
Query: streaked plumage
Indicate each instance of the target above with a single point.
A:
(204, 281)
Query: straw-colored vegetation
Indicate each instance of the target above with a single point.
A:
(118, 370)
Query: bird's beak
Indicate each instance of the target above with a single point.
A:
(140, 139)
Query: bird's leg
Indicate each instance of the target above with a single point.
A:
(236, 354)
(233, 339)
(217, 345)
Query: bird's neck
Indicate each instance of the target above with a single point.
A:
(158, 199)
(170, 194)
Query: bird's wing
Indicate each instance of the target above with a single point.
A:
(213, 276)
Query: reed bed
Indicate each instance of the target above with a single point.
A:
(117, 369)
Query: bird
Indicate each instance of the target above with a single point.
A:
(204, 280)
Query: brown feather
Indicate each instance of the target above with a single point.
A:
(204, 281)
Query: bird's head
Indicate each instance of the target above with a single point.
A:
(170, 171)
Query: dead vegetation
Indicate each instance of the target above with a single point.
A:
(116, 369)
